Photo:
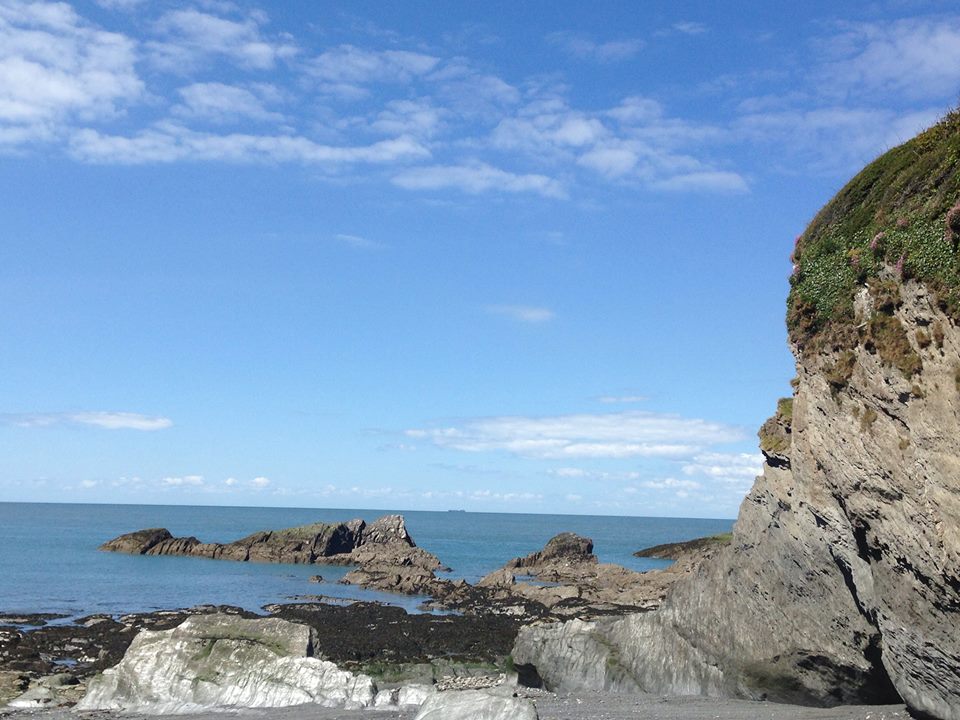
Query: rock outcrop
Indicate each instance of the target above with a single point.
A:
(842, 579)
(567, 579)
(224, 661)
(385, 542)
(475, 705)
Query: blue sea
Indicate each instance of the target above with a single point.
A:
(49, 560)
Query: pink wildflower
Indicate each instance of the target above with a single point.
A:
(900, 265)
(875, 243)
(902, 222)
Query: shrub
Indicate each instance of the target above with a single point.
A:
(839, 374)
(867, 418)
(888, 338)
(891, 215)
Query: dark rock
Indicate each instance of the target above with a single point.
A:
(137, 543)
(565, 548)
(698, 547)
(307, 544)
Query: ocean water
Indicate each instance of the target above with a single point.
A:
(49, 560)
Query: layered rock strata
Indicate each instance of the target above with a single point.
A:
(386, 540)
(842, 579)
(212, 661)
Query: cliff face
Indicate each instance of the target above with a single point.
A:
(842, 582)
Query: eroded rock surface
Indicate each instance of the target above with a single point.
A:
(224, 661)
(384, 542)
(842, 579)
(567, 579)
(476, 705)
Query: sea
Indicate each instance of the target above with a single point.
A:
(49, 562)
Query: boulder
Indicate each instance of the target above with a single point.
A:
(212, 661)
(567, 548)
(475, 705)
(137, 543)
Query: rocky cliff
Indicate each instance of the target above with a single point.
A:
(842, 579)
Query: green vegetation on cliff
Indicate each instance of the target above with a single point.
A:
(899, 217)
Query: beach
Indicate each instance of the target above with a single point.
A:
(567, 706)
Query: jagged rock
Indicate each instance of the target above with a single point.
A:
(695, 550)
(842, 580)
(224, 661)
(387, 530)
(564, 549)
(386, 541)
(137, 543)
(476, 705)
(12, 684)
(572, 583)
(51, 691)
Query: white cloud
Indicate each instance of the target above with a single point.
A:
(230, 481)
(87, 484)
(99, 419)
(222, 103)
(624, 399)
(690, 28)
(612, 435)
(360, 243)
(523, 313)
(183, 481)
(190, 36)
(729, 467)
(588, 49)
(833, 138)
(55, 67)
(123, 5)
(470, 93)
(913, 59)
(260, 482)
(418, 118)
(535, 131)
(169, 142)
(671, 484)
(570, 472)
(350, 66)
(477, 177)
(705, 181)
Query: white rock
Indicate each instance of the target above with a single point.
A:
(413, 695)
(475, 705)
(224, 661)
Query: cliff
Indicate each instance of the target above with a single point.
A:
(842, 579)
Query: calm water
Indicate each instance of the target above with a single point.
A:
(49, 560)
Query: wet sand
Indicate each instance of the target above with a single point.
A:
(570, 706)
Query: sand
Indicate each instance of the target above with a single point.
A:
(570, 706)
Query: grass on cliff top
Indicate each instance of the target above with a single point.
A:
(902, 212)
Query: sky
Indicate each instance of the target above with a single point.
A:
(499, 256)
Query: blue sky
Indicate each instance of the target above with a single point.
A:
(494, 256)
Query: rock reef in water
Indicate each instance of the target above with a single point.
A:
(353, 542)
(212, 661)
(567, 578)
(841, 583)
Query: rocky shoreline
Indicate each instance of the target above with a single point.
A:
(47, 659)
